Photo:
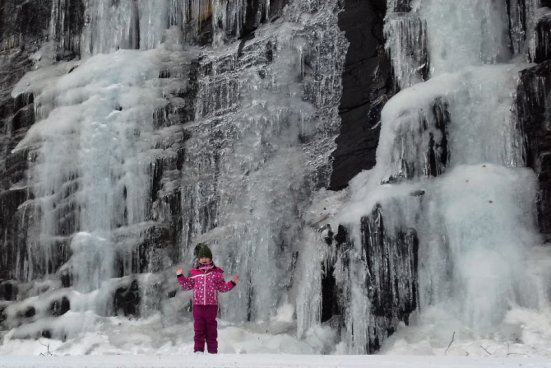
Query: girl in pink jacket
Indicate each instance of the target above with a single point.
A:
(206, 280)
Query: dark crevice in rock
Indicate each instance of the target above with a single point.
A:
(8, 290)
(402, 6)
(543, 40)
(135, 28)
(68, 28)
(334, 297)
(157, 175)
(154, 245)
(60, 307)
(516, 13)
(276, 7)
(392, 283)
(416, 160)
(126, 300)
(329, 294)
(533, 109)
(438, 150)
(29, 312)
(24, 26)
(24, 23)
(254, 16)
(367, 85)
(391, 260)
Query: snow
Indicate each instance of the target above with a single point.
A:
(266, 361)
(159, 342)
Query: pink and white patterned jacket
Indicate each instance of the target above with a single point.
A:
(206, 282)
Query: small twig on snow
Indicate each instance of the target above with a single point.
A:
(47, 348)
(486, 350)
(450, 344)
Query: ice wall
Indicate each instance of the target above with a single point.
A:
(89, 172)
(267, 125)
(110, 25)
(149, 144)
(450, 172)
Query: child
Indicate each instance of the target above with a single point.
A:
(206, 280)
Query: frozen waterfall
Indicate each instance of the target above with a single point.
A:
(150, 143)
(144, 127)
(450, 174)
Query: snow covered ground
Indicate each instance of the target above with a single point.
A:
(155, 342)
(269, 360)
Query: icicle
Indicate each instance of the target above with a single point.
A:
(125, 25)
(251, 160)
(406, 44)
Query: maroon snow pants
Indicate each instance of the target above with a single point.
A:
(205, 326)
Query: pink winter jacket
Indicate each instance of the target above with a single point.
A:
(205, 284)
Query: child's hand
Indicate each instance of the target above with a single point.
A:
(179, 271)
(235, 279)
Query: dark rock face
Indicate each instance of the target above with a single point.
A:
(29, 312)
(543, 40)
(520, 29)
(332, 297)
(158, 245)
(367, 85)
(532, 101)
(276, 7)
(391, 259)
(329, 294)
(392, 283)
(60, 307)
(3, 316)
(8, 291)
(415, 160)
(126, 300)
(516, 12)
(402, 6)
(68, 22)
(438, 150)
(24, 23)
(23, 27)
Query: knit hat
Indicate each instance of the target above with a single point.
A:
(202, 250)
